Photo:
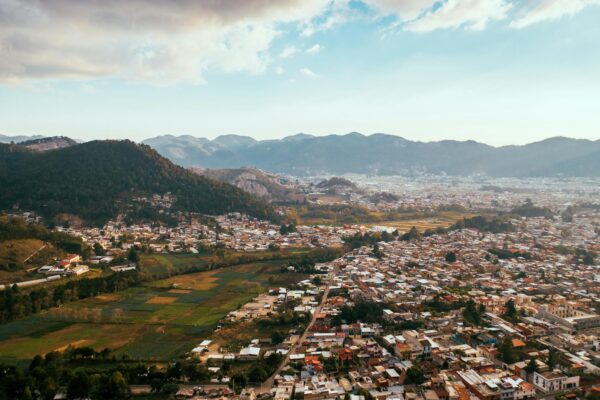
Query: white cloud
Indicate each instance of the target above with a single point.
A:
(308, 72)
(406, 10)
(550, 10)
(314, 49)
(337, 12)
(471, 14)
(279, 70)
(171, 40)
(288, 52)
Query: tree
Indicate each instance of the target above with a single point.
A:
(471, 314)
(412, 234)
(289, 228)
(169, 388)
(274, 247)
(414, 375)
(273, 360)
(277, 337)
(531, 367)
(79, 386)
(257, 374)
(507, 351)
(98, 249)
(113, 386)
(47, 388)
(377, 252)
(511, 311)
(133, 255)
(450, 257)
(552, 358)
(588, 259)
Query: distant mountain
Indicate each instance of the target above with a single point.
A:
(98, 179)
(382, 154)
(253, 181)
(18, 139)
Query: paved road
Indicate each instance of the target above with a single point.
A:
(145, 389)
(266, 386)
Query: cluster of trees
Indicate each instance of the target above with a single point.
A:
(15, 304)
(437, 305)
(510, 311)
(528, 209)
(306, 262)
(568, 214)
(52, 374)
(336, 181)
(82, 373)
(257, 372)
(493, 224)
(507, 352)
(585, 257)
(483, 224)
(412, 234)
(369, 239)
(507, 254)
(367, 311)
(450, 257)
(95, 180)
(473, 314)
(284, 229)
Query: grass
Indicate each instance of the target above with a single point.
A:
(152, 322)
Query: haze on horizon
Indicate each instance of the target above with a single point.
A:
(495, 71)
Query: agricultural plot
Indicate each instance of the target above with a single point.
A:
(159, 321)
(442, 219)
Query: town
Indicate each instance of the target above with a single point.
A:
(502, 307)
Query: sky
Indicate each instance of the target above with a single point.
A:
(496, 71)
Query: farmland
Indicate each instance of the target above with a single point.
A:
(159, 321)
(441, 219)
(339, 214)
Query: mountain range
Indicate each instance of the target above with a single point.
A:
(382, 154)
(97, 180)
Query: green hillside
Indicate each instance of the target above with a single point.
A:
(96, 180)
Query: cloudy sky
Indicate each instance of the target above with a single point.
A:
(496, 71)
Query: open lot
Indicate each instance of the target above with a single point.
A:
(159, 321)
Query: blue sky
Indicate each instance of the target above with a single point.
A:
(495, 71)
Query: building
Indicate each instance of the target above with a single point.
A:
(554, 381)
(567, 315)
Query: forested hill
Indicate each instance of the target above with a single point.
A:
(95, 180)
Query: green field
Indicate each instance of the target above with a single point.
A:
(158, 321)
